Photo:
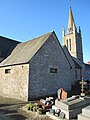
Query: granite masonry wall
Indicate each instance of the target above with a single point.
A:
(72, 71)
(78, 74)
(47, 71)
(86, 71)
(14, 81)
(42, 81)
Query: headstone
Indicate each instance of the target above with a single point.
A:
(85, 114)
(62, 94)
(59, 93)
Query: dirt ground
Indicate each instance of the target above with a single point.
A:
(10, 109)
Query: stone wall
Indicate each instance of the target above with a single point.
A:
(69, 57)
(14, 81)
(77, 74)
(86, 71)
(42, 82)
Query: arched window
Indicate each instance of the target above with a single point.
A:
(67, 43)
(70, 44)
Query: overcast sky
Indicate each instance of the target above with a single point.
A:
(26, 19)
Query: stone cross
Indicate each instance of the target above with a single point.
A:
(82, 87)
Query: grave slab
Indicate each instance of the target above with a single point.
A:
(71, 106)
(86, 111)
(83, 117)
(85, 114)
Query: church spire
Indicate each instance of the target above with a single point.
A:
(71, 23)
(72, 38)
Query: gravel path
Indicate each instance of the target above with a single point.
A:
(10, 109)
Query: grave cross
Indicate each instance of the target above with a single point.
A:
(82, 87)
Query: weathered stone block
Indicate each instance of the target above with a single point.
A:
(85, 114)
(86, 111)
(83, 117)
(72, 106)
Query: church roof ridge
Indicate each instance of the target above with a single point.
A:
(23, 52)
(9, 39)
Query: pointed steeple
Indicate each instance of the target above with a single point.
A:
(71, 23)
(72, 39)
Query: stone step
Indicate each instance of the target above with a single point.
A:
(83, 117)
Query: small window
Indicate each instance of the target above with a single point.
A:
(7, 71)
(53, 70)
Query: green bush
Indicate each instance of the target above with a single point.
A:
(30, 106)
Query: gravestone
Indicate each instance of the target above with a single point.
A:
(62, 94)
(85, 114)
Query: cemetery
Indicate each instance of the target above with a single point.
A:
(71, 107)
(64, 107)
(41, 67)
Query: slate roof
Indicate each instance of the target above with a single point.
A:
(87, 66)
(1, 59)
(69, 58)
(78, 64)
(23, 52)
(6, 47)
(68, 55)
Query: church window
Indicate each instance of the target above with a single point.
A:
(67, 43)
(53, 70)
(70, 43)
(7, 71)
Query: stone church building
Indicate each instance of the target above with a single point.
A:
(72, 39)
(39, 67)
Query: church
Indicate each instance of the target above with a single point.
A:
(72, 39)
(39, 67)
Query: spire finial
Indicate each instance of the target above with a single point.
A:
(71, 23)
